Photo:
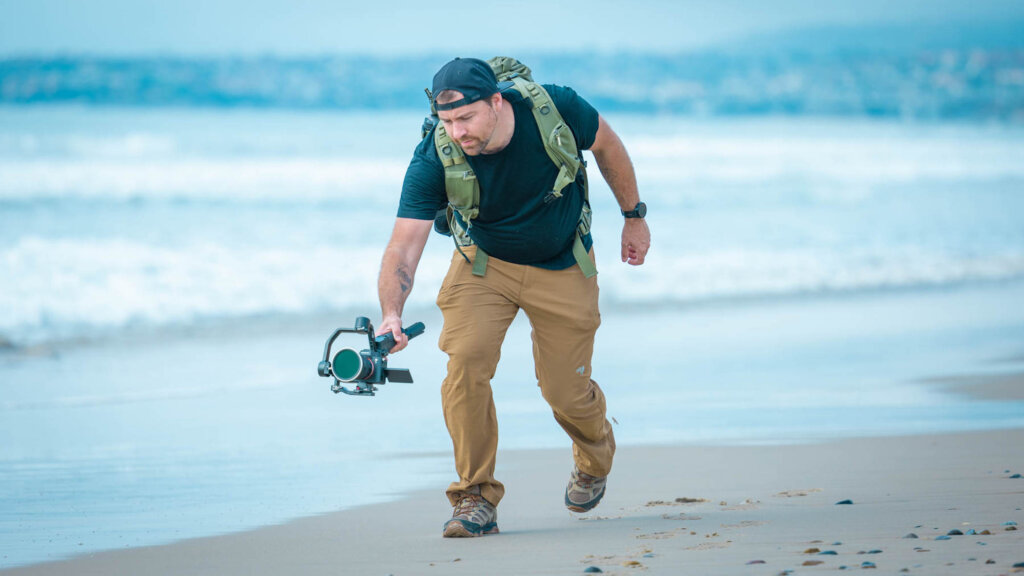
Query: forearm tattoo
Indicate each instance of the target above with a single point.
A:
(404, 279)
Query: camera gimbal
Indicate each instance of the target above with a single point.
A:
(365, 368)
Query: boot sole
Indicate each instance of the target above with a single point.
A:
(456, 529)
(580, 508)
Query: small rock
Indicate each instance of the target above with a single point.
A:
(1019, 565)
(874, 551)
(812, 551)
(990, 561)
(954, 532)
(844, 502)
(971, 532)
(843, 567)
(1010, 523)
(813, 562)
(984, 533)
(828, 553)
(649, 555)
(756, 562)
(905, 570)
(868, 565)
(911, 536)
(943, 538)
(1015, 476)
(1011, 528)
(632, 564)
(592, 570)
(837, 543)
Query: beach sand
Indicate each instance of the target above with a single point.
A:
(668, 510)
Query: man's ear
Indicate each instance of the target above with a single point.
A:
(497, 101)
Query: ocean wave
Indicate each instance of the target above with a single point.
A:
(237, 179)
(753, 273)
(63, 288)
(845, 158)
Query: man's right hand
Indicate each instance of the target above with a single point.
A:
(393, 324)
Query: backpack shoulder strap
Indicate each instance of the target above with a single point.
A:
(460, 181)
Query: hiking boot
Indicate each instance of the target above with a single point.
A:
(584, 491)
(473, 516)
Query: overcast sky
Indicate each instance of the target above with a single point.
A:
(310, 27)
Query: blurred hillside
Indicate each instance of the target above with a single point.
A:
(901, 72)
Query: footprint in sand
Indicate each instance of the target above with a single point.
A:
(797, 493)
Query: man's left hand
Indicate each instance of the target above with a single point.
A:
(636, 241)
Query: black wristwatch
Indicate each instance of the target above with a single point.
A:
(637, 212)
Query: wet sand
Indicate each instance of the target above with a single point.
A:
(669, 510)
(984, 386)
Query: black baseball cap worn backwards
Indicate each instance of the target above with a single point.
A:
(473, 78)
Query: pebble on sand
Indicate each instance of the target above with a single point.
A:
(592, 570)
(868, 565)
(911, 536)
(844, 502)
(756, 562)
(943, 537)
(1010, 523)
(954, 532)
(828, 553)
(812, 551)
(813, 562)
(1015, 476)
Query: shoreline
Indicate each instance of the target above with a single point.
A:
(758, 510)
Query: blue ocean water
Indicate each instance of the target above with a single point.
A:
(124, 217)
(167, 278)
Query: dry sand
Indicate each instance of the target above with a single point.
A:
(760, 510)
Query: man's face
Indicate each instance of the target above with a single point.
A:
(471, 126)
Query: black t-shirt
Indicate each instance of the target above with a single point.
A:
(514, 223)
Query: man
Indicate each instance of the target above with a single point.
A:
(528, 240)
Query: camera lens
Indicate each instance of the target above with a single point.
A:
(349, 365)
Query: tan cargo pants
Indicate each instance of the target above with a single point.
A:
(563, 312)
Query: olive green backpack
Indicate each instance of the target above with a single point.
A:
(463, 189)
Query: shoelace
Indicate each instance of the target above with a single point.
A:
(585, 480)
(466, 505)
